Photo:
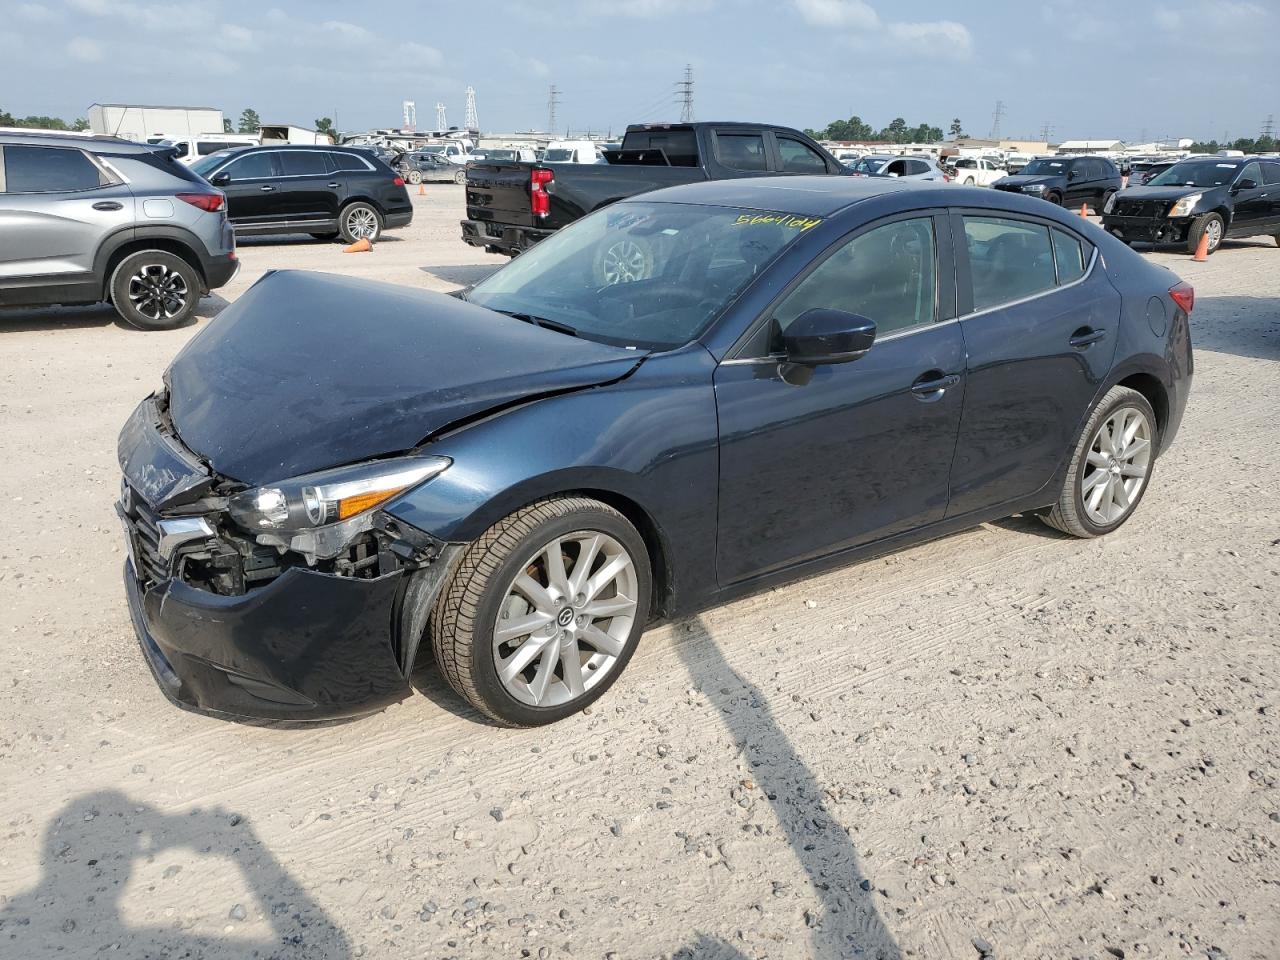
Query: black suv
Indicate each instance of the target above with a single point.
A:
(324, 191)
(1212, 197)
(1066, 181)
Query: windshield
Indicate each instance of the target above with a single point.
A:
(559, 153)
(1044, 168)
(1198, 173)
(648, 275)
(499, 154)
(205, 165)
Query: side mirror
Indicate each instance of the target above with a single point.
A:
(1245, 184)
(1073, 174)
(820, 336)
(221, 179)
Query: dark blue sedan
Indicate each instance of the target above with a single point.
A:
(678, 399)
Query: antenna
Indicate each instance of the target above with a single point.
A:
(553, 101)
(410, 115)
(996, 117)
(472, 122)
(442, 121)
(686, 95)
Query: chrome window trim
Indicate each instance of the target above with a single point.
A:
(369, 168)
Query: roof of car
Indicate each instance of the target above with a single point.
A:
(38, 138)
(815, 196)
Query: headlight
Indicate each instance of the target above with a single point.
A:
(319, 514)
(1184, 206)
(1033, 187)
(1111, 203)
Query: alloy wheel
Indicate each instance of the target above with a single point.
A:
(624, 262)
(362, 224)
(565, 619)
(1214, 231)
(158, 292)
(1118, 463)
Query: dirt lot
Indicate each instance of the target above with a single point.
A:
(1005, 739)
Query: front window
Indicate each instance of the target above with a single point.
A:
(799, 157)
(1196, 173)
(210, 163)
(1045, 168)
(868, 165)
(649, 275)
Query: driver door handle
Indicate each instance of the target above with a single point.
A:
(266, 188)
(933, 384)
(334, 186)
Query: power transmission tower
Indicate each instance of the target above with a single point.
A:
(442, 121)
(1268, 126)
(686, 95)
(472, 121)
(1046, 131)
(553, 101)
(410, 115)
(995, 121)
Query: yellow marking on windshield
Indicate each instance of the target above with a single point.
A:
(781, 219)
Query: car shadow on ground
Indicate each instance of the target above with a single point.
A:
(845, 921)
(1243, 326)
(101, 862)
(466, 275)
(89, 317)
(305, 240)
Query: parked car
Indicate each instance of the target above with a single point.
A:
(96, 219)
(512, 206)
(807, 372)
(454, 151)
(1215, 198)
(510, 154)
(1016, 161)
(325, 191)
(571, 151)
(906, 168)
(1066, 181)
(194, 148)
(977, 171)
(431, 168)
(1140, 171)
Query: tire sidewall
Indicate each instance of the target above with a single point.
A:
(483, 669)
(119, 288)
(346, 213)
(1098, 417)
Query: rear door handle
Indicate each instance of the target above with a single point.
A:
(266, 188)
(108, 205)
(1086, 336)
(933, 384)
(334, 186)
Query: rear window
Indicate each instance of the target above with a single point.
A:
(680, 146)
(208, 147)
(1009, 260)
(303, 163)
(559, 154)
(350, 163)
(49, 170)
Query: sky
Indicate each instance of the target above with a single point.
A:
(1090, 69)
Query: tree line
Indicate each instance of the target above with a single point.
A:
(1264, 144)
(41, 123)
(898, 131)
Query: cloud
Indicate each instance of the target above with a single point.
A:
(644, 9)
(941, 38)
(235, 38)
(1166, 19)
(37, 13)
(84, 50)
(349, 32)
(421, 56)
(844, 14)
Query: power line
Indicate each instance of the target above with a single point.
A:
(553, 101)
(686, 95)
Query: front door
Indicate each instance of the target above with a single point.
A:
(860, 450)
(254, 189)
(1040, 330)
(1253, 205)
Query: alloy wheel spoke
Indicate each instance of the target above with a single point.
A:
(528, 651)
(1119, 496)
(571, 667)
(546, 670)
(606, 574)
(612, 607)
(1135, 449)
(535, 593)
(522, 626)
(557, 576)
(582, 568)
(1098, 459)
(1133, 470)
(1101, 492)
(601, 641)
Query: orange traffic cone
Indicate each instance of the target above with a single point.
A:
(422, 191)
(1084, 210)
(1202, 249)
(360, 246)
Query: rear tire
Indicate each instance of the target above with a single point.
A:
(1090, 504)
(1211, 224)
(460, 177)
(1102, 205)
(360, 221)
(497, 582)
(968, 181)
(155, 290)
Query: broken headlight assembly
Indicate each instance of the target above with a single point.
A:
(320, 514)
(1184, 206)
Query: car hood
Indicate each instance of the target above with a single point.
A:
(1019, 180)
(308, 370)
(1169, 193)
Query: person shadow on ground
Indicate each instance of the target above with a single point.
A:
(843, 922)
(92, 864)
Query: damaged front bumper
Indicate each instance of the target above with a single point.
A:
(230, 627)
(1148, 229)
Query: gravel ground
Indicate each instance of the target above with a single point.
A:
(1005, 742)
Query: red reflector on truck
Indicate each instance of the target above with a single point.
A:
(539, 198)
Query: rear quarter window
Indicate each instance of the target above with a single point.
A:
(350, 163)
(1270, 173)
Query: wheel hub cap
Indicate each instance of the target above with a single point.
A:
(157, 292)
(1119, 459)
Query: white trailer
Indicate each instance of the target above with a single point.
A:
(288, 133)
(151, 123)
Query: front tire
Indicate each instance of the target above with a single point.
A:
(1111, 467)
(968, 181)
(1054, 198)
(544, 611)
(155, 290)
(1211, 224)
(414, 177)
(360, 221)
(460, 177)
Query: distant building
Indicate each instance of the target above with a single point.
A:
(1091, 146)
(142, 123)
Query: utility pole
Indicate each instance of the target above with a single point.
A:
(442, 121)
(686, 95)
(996, 117)
(553, 101)
(472, 122)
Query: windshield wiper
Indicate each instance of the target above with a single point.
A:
(538, 321)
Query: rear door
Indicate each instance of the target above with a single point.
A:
(308, 188)
(57, 204)
(1271, 182)
(253, 190)
(1040, 321)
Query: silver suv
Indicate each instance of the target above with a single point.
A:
(93, 219)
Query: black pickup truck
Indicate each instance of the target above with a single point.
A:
(513, 205)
